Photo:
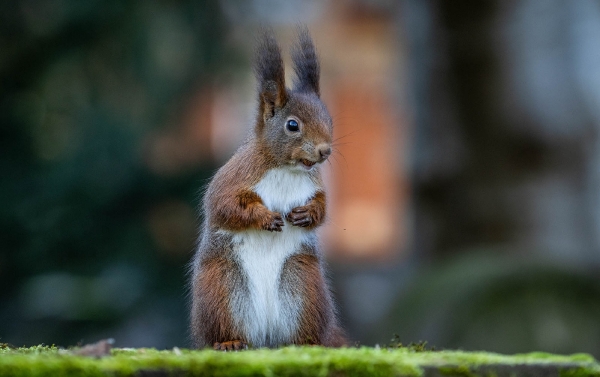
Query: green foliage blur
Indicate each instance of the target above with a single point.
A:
(84, 85)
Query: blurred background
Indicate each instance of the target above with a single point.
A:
(464, 195)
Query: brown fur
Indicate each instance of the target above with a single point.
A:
(211, 294)
(302, 275)
(233, 345)
(231, 205)
(310, 215)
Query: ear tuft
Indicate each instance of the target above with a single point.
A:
(268, 67)
(306, 64)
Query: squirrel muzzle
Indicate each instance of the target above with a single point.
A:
(317, 154)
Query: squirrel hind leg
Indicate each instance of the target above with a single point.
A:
(211, 319)
(303, 280)
(336, 338)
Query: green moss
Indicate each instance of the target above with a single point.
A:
(289, 361)
(415, 347)
(587, 371)
(460, 371)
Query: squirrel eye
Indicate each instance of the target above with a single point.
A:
(292, 125)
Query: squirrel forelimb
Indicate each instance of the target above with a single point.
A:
(310, 215)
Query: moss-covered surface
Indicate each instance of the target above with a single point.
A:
(291, 361)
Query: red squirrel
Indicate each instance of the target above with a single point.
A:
(258, 274)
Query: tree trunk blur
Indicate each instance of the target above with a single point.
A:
(506, 106)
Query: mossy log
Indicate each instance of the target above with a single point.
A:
(291, 361)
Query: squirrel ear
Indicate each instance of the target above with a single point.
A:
(306, 64)
(270, 74)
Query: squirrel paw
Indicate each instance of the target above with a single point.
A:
(274, 223)
(232, 345)
(300, 216)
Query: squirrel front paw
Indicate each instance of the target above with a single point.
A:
(300, 216)
(273, 222)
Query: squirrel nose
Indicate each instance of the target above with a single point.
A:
(324, 151)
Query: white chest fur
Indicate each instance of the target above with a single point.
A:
(285, 188)
(268, 318)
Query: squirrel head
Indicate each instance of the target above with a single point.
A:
(293, 125)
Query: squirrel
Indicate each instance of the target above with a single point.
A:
(258, 273)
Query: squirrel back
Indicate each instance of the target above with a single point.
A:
(258, 272)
